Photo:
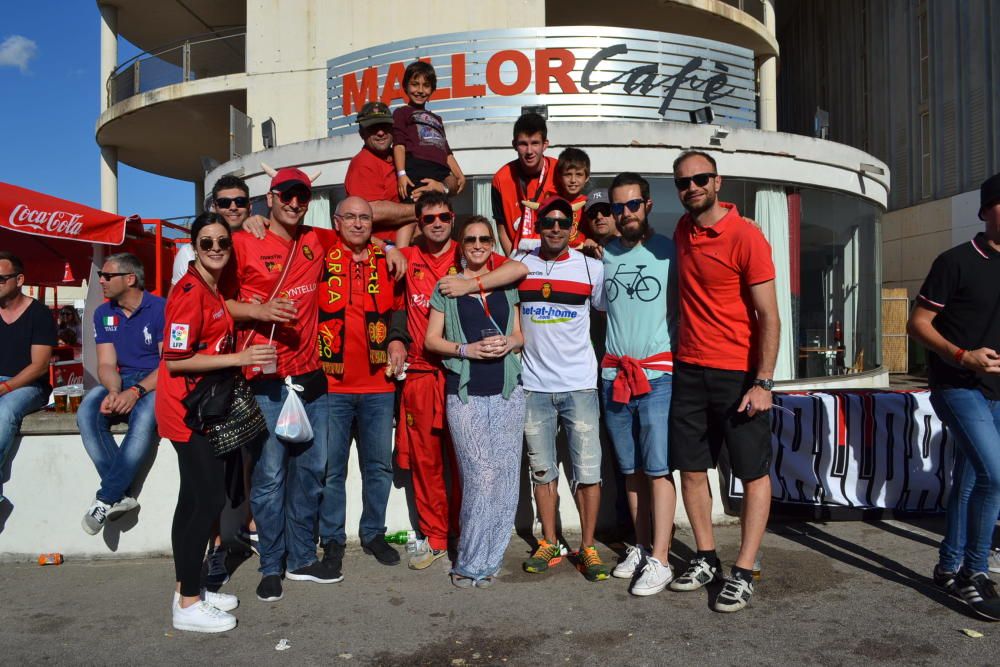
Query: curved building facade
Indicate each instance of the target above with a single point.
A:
(633, 85)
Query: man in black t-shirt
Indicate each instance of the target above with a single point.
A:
(957, 317)
(28, 332)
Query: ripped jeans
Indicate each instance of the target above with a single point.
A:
(579, 413)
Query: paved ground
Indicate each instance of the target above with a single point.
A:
(831, 594)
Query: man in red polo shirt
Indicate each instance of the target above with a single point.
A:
(422, 441)
(372, 176)
(530, 178)
(272, 285)
(723, 370)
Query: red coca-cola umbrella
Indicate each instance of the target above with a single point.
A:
(46, 233)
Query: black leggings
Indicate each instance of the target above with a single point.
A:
(201, 498)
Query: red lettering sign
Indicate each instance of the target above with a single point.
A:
(521, 82)
(355, 96)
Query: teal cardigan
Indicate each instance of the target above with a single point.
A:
(453, 332)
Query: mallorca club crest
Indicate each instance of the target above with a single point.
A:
(546, 290)
(377, 332)
(452, 270)
(307, 252)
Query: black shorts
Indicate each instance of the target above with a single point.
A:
(417, 170)
(703, 415)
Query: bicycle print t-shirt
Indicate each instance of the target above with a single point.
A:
(640, 290)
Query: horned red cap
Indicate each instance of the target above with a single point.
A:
(288, 177)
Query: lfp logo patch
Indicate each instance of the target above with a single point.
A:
(179, 336)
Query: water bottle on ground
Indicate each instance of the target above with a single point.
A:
(756, 567)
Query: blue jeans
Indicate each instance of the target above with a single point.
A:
(374, 413)
(117, 465)
(579, 413)
(282, 499)
(13, 408)
(639, 429)
(974, 422)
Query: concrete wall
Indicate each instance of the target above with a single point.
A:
(288, 44)
(912, 237)
(50, 483)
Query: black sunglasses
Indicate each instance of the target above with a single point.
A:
(206, 244)
(429, 218)
(549, 223)
(225, 202)
(304, 196)
(701, 180)
(632, 205)
(108, 275)
(483, 240)
(4, 279)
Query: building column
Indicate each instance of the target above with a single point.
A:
(768, 77)
(109, 188)
(109, 61)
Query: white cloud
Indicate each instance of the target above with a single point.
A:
(17, 51)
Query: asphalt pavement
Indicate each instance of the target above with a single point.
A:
(831, 594)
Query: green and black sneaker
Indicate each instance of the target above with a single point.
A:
(545, 556)
(589, 562)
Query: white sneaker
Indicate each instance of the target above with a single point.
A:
(202, 617)
(221, 601)
(994, 561)
(626, 569)
(96, 517)
(126, 504)
(654, 578)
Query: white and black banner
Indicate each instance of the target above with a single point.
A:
(858, 450)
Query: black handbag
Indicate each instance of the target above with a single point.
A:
(222, 407)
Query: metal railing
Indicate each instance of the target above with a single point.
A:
(199, 57)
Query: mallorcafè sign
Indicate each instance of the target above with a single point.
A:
(578, 73)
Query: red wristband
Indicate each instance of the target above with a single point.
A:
(480, 283)
(959, 354)
(5, 384)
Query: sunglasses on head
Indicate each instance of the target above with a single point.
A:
(4, 279)
(549, 223)
(632, 205)
(303, 195)
(108, 275)
(429, 218)
(206, 244)
(482, 240)
(701, 180)
(225, 202)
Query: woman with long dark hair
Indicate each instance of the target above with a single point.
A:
(199, 338)
(476, 336)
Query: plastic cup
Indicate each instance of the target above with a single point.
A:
(75, 396)
(489, 333)
(272, 367)
(60, 397)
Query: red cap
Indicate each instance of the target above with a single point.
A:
(288, 177)
(555, 202)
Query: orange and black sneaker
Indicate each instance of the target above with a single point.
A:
(589, 562)
(545, 556)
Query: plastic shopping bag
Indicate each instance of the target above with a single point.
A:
(293, 421)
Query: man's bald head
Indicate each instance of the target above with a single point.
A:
(354, 222)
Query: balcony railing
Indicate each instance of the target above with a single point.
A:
(197, 57)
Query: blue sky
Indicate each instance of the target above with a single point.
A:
(49, 64)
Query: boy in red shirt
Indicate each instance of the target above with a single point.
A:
(572, 176)
(520, 184)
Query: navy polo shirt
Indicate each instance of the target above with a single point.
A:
(137, 338)
(963, 287)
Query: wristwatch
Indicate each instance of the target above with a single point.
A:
(763, 383)
(142, 391)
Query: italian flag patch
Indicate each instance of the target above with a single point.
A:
(110, 320)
